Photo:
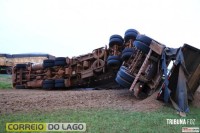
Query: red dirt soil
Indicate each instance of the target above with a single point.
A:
(12, 101)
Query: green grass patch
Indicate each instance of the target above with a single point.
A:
(5, 81)
(109, 120)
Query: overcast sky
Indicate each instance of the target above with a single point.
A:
(74, 27)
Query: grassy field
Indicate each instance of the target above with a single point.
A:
(5, 81)
(104, 120)
(109, 120)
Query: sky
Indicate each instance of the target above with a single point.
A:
(75, 27)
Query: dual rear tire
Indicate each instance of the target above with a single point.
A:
(50, 84)
(124, 78)
(142, 43)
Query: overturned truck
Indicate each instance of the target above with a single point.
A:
(136, 62)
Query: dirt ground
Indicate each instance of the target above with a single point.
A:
(40, 100)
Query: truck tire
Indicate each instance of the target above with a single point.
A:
(113, 61)
(141, 46)
(130, 34)
(48, 63)
(23, 66)
(48, 84)
(114, 57)
(9, 70)
(126, 53)
(123, 68)
(116, 40)
(126, 56)
(128, 50)
(122, 82)
(126, 75)
(59, 83)
(98, 63)
(20, 87)
(145, 39)
(60, 61)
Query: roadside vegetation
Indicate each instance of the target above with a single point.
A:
(108, 120)
(5, 81)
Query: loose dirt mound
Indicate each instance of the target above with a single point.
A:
(40, 100)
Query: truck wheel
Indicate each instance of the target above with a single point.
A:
(59, 83)
(126, 75)
(98, 65)
(23, 66)
(48, 84)
(145, 39)
(128, 50)
(130, 34)
(116, 40)
(9, 70)
(20, 87)
(122, 82)
(126, 56)
(113, 61)
(60, 61)
(141, 46)
(48, 63)
(126, 53)
(123, 68)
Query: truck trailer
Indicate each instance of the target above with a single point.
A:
(7, 61)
